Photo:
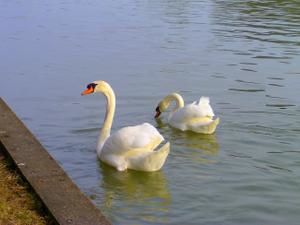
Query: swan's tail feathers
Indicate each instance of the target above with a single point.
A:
(213, 126)
(151, 161)
(209, 128)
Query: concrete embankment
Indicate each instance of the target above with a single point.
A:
(61, 197)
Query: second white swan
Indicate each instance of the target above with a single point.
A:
(132, 147)
(196, 117)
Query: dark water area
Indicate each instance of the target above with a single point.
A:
(244, 55)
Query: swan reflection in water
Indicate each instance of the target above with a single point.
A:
(125, 191)
(197, 147)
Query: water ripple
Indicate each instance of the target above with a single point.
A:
(280, 105)
(267, 21)
(246, 90)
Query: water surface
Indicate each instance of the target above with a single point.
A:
(244, 55)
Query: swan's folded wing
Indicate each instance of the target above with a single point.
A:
(204, 106)
(186, 113)
(133, 140)
(198, 114)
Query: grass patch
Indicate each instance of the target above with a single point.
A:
(18, 205)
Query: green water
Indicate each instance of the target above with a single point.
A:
(244, 55)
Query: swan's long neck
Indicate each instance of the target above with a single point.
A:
(178, 100)
(109, 116)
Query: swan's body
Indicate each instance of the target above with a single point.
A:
(133, 147)
(196, 117)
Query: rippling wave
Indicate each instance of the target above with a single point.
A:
(264, 21)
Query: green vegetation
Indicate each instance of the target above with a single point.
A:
(18, 205)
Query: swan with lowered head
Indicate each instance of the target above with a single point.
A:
(196, 117)
(132, 147)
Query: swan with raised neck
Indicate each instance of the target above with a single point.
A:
(132, 147)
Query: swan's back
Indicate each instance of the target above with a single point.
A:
(193, 116)
(135, 147)
(132, 138)
(198, 109)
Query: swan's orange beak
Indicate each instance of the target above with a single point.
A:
(88, 91)
(157, 112)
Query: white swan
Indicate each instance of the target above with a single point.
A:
(131, 147)
(196, 117)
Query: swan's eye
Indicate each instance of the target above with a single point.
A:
(91, 86)
(158, 112)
